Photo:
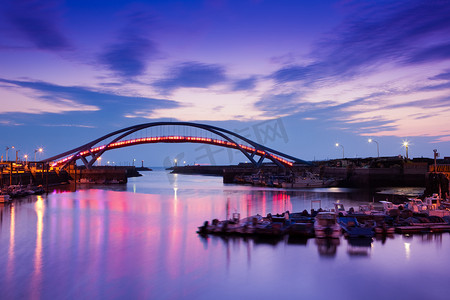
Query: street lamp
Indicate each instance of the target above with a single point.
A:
(436, 155)
(337, 145)
(7, 148)
(37, 150)
(26, 158)
(378, 147)
(99, 161)
(175, 161)
(406, 144)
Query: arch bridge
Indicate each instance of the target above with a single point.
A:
(173, 132)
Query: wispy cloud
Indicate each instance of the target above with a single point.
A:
(69, 125)
(193, 75)
(367, 73)
(128, 58)
(442, 76)
(10, 123)
(405, 32)
(435, 87)
(83, 96)
(37, 22)
(425, 103)
(431, 54)
(294, 73)
(280, 104)
(130, 54)
(244, 84)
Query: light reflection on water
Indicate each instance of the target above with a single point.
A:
(139, 242)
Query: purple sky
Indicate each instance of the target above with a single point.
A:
(320, 72)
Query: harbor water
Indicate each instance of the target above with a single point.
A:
(139, 241)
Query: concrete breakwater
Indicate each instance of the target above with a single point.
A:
(35, 177)
(347, 176)
(357, 173)
(103, 174)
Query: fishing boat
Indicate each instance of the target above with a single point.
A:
(387, 205)
(353, 229)
(300, 225)
(416, 205)
(326, 226)
(433, 206)
(235, 226)
(433, 202)
(308, 180)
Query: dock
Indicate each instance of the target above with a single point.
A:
(423, 228)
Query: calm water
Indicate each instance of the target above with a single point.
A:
(138, 242)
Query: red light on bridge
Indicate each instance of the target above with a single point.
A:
(179, 138)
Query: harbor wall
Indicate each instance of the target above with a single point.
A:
(414, 175)
(409, 174)
(113, 174)
(103, 174)
(34, 178)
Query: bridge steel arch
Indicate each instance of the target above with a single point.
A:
(85, 150)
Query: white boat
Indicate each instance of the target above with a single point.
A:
(433, 202)
(435, 206)
(309, 180)
(363, 210)
(430, 205)
(370, 209)
(416, 205)
(326, 226)
(388, 206)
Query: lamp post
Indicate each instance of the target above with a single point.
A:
(7, 148)
(337, 145)
(26, 158)
(37, 150)
(175, 161)
(17, 155)
(378, 147)
(99, 161)
(406, 144)
(436, 155)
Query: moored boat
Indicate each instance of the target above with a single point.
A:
(308, 180)
(326, 226)
(353, 229)
(234, 225)
(300, 225)
(433, 206)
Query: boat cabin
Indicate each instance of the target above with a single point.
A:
(325, 218)
(433, 202)
(387, 205)
(339, 208)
